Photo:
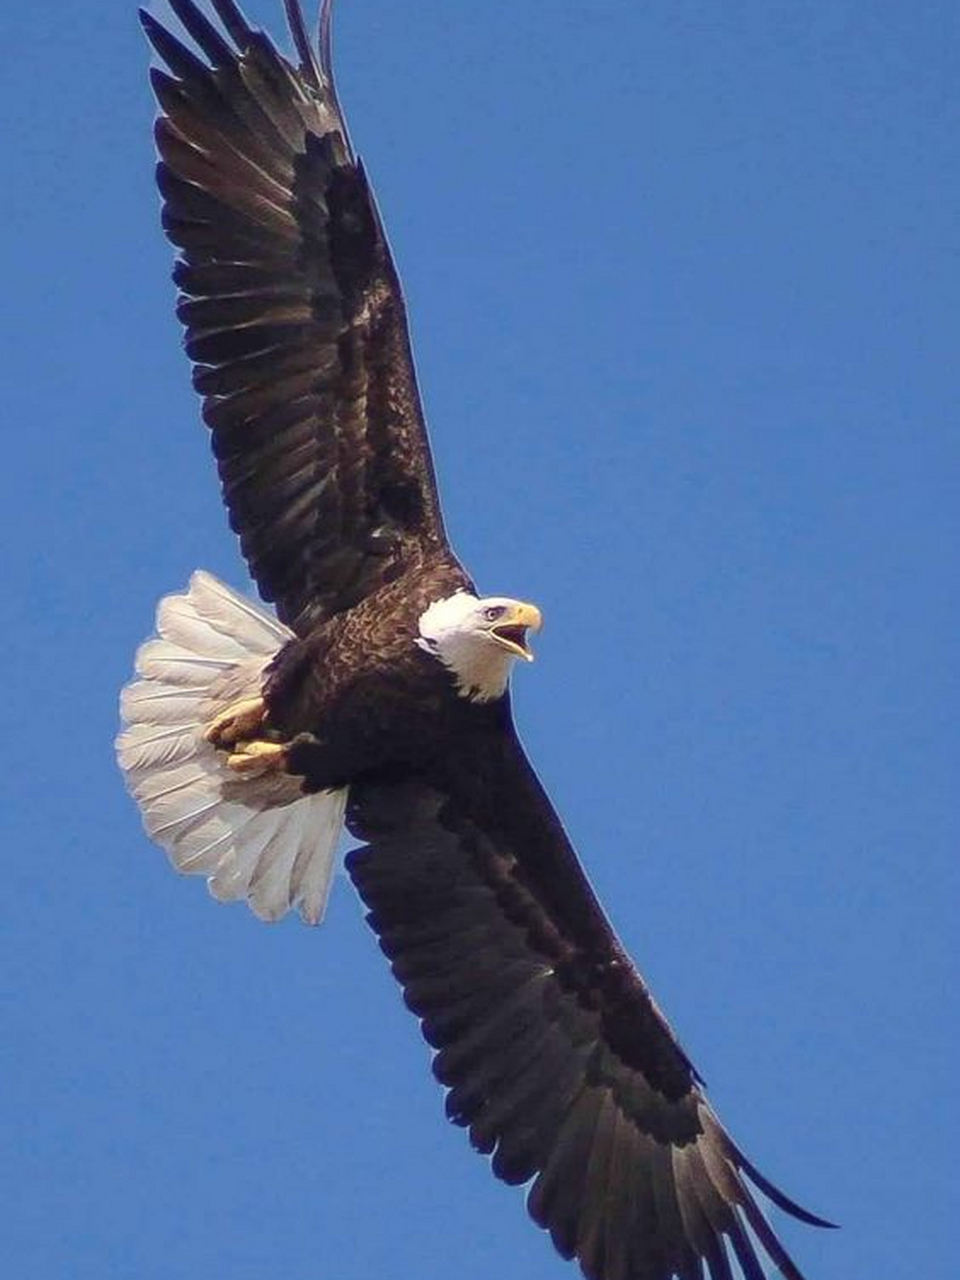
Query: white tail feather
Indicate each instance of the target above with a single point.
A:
(255, 837)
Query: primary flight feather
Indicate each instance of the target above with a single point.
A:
(379, 695)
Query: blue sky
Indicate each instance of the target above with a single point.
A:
(683, 280)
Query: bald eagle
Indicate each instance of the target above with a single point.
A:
(377, 697)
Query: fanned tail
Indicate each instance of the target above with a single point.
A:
(255, 837)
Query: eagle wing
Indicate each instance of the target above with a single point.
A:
(294, 316)
(553, 1051)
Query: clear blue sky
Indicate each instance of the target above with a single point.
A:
(683, 278)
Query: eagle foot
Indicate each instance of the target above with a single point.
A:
(236, 724)
(258, 755)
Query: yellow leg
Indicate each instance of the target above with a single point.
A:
(241, 720)
(257, 755)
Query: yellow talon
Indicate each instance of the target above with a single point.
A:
(241, 720)
(256, 755)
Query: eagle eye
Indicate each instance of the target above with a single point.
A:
(493, 613)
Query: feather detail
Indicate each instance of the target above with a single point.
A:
(257, 839)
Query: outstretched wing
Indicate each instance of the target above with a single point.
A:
(294, 316)
(554, 1053)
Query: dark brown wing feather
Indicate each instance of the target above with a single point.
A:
(554, 1054)
(294, 317)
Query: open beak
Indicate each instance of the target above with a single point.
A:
(511, 630)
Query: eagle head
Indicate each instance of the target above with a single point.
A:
(478, 640)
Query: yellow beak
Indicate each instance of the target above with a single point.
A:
(511, 630)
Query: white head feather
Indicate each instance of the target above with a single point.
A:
(460, 631)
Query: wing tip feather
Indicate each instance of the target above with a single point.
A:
(778, 1197)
